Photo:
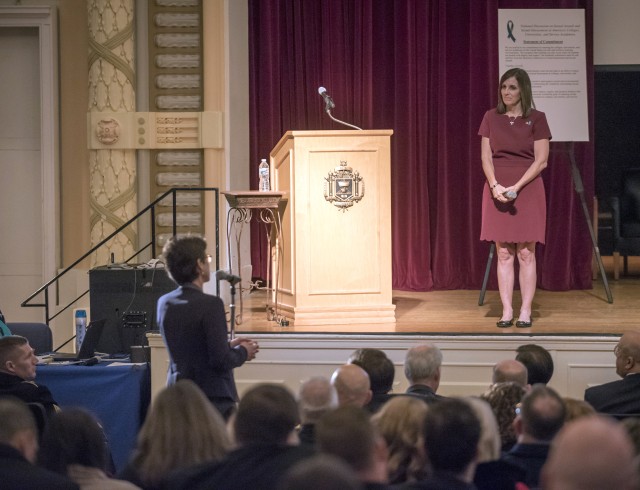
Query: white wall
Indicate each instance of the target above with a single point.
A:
(616, 37)
(467, 367)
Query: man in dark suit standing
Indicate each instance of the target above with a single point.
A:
(194, 327)
(620, 397)
(422, 370)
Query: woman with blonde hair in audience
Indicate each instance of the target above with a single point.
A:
(400, 421)
(490, 443)
(182, 429)
(574, 409)
(73, 444)
(491, 473)
(504, 398)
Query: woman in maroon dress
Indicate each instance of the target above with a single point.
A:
(515, 148)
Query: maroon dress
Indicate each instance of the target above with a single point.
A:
(523, 219)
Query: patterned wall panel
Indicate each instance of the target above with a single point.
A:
(175, 77)
(111, 89)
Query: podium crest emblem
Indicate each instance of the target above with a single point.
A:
(343, 187)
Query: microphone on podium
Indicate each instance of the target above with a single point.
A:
(328, 105)
(225, 276)
(327, 99)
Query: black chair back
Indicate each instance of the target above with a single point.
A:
(38, 334)
(40, 415)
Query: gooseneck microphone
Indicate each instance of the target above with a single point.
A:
(328, 105)
(225, 276)
(327, 98)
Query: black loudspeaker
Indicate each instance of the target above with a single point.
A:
(126, 298)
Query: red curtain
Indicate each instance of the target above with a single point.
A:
(428, 69)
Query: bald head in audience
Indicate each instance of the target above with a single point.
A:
(591, 453)
(510, 370)
(352, 385)
(628, 353)
(315, 398)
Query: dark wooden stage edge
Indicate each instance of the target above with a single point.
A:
(578, 313)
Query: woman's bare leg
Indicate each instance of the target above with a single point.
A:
(528, 277)
(506, 277)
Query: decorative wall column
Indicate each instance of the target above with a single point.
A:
(111, 89)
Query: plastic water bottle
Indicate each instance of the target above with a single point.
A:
(263, 173)
(81, 327)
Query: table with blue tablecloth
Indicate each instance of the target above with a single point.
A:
(118, 394)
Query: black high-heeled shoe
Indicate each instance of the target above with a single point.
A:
(523, 324)
(504, 323)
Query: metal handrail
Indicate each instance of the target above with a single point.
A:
(149, 208)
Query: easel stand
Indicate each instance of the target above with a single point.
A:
(232, 310)
(579, 187)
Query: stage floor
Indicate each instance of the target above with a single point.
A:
(579, 313)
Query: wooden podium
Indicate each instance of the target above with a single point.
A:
(336, 250)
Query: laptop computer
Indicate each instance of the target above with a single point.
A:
(88, 346)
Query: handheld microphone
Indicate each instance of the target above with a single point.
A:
(327, 98)
(225, 276)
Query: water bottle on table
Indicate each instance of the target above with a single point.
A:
(263, 173)
(81, 327)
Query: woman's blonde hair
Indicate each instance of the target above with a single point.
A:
(182, 429)
(490, 443)
(574, 409)
(401, 423)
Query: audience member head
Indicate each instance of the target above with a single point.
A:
(452, 432)
(503, 398)
(18, 428)
(510, 370)
(400, 421)
(17, 357)
(538, 362)
(378, 366)
(316, 397)
(422, 365)
(574, 409)
(185, 256)
(73, 437)
(348, 433)
(632, 426)
(591, 453)
(627, 353)
(541, 415)
(321, 472)
(352, 385)
(181, 429)
(490, 443)
(267, 413)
